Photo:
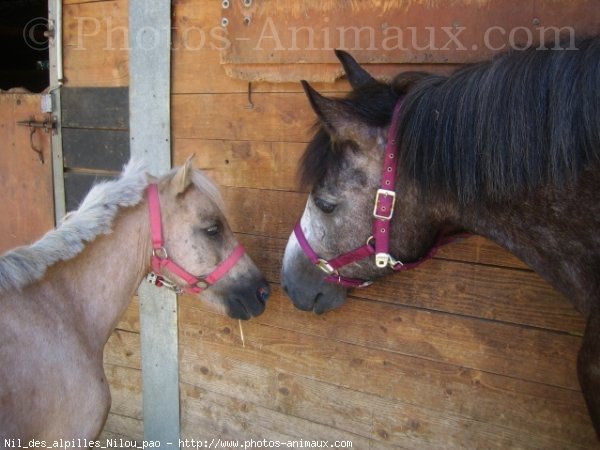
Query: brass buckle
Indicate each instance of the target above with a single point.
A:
(391, 211)
(325, 267)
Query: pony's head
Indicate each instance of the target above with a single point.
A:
(342, 166)
(198, 238)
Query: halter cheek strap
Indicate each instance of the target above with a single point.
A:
(161, 261)
(379, 243)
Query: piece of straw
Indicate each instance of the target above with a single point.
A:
(242, 334)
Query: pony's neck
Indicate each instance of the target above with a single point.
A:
(101, 280)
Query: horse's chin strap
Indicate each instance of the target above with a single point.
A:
(331, 267)
(161, 260)
(379, 243)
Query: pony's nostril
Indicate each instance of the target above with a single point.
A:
(262, 294)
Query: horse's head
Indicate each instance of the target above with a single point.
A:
(199, 240)
(343, 167)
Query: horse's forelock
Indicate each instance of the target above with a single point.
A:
(321, 155)
(372, 104)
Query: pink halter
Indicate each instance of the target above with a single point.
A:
(161, 260)
(383, 212)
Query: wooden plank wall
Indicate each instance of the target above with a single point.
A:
(472, 350)
(25, 182)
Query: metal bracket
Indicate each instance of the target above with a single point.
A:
(250, 104)
(46, 125)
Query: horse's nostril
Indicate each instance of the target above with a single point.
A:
(262, 294)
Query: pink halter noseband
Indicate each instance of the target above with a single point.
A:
(161, 260)
(383, 212)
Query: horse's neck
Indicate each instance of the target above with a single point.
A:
(546, 230)
(95, 287)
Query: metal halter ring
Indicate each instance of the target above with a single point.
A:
(160, 253)
(326, 267)
(201, 284)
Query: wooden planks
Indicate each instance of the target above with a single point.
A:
(396, 32)
(275, 117)
(198, 40)
(24, 180)
(95, 45)
(252, 164)
(96, 51)
(212, 354)
(287, 379)
(275, 42)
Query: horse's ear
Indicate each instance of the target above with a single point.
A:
(183, 177)
(357, 76)
(338, 118)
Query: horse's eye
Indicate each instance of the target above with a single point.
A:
(213, 230)
(324, 206)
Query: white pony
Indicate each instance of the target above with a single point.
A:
(61, 297)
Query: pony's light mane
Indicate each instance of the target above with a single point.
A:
(95, 216)
(27, 264)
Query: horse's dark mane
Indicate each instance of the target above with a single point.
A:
(523, 119)
(520, 120)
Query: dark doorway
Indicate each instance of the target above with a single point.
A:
(25, 62)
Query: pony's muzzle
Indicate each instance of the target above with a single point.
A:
(249, 302)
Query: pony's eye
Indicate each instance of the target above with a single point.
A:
(324, 206)
(213, 230)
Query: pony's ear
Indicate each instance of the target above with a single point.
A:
(183, 177)
(357, 76)
(338, 118)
